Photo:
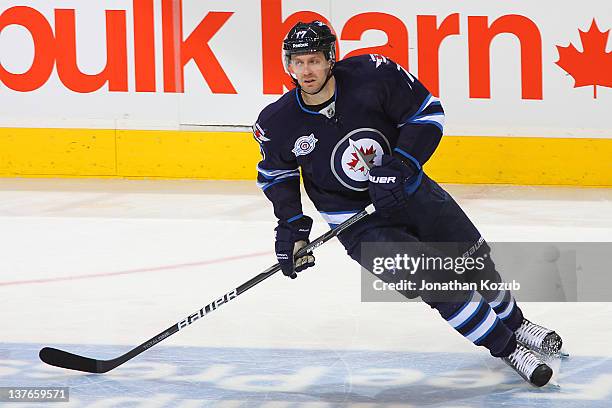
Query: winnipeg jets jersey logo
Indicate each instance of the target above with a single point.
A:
(304, 145)
(355, 154)
(362, 159)
(259, 134)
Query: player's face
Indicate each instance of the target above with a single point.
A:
(311, 70)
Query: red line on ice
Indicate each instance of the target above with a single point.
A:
(131, 271)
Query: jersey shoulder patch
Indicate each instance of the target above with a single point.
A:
(375, 66)
(389, 66)
(259, 133)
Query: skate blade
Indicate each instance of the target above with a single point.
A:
(563, 355)
(553, 385)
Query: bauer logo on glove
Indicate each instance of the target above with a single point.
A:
(393, 182)
(382, 180)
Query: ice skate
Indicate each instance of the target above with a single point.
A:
(529, 366)
(540, 339)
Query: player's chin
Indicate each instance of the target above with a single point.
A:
(310, 85)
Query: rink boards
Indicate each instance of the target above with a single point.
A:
(147, 88)
(234, 155)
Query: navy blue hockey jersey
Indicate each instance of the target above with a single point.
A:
(379, 108)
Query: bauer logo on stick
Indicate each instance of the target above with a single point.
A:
(207, 309)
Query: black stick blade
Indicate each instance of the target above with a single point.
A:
(63, 359)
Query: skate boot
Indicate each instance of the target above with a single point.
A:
(539, 339)
(529, 366)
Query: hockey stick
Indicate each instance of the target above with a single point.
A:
(64, 359)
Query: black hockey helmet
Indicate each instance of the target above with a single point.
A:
(310, 37)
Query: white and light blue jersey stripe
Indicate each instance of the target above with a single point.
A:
(335, 218)
(430, 112)
(270, 177)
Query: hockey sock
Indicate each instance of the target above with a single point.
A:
(507, 310)
(476, 321)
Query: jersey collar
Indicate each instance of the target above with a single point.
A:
(303, 108)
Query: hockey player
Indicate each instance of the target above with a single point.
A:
(361, 130)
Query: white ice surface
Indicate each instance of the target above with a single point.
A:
(112, 262)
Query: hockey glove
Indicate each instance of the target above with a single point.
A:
(290, 238)
(393, 182)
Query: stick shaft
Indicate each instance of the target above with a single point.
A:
(71, 361)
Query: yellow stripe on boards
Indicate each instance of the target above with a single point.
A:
(523, 160)
(233, 155)
(58, 152)
(172, 154)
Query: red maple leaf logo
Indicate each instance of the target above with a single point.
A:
(368, 154)
(592, 66)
